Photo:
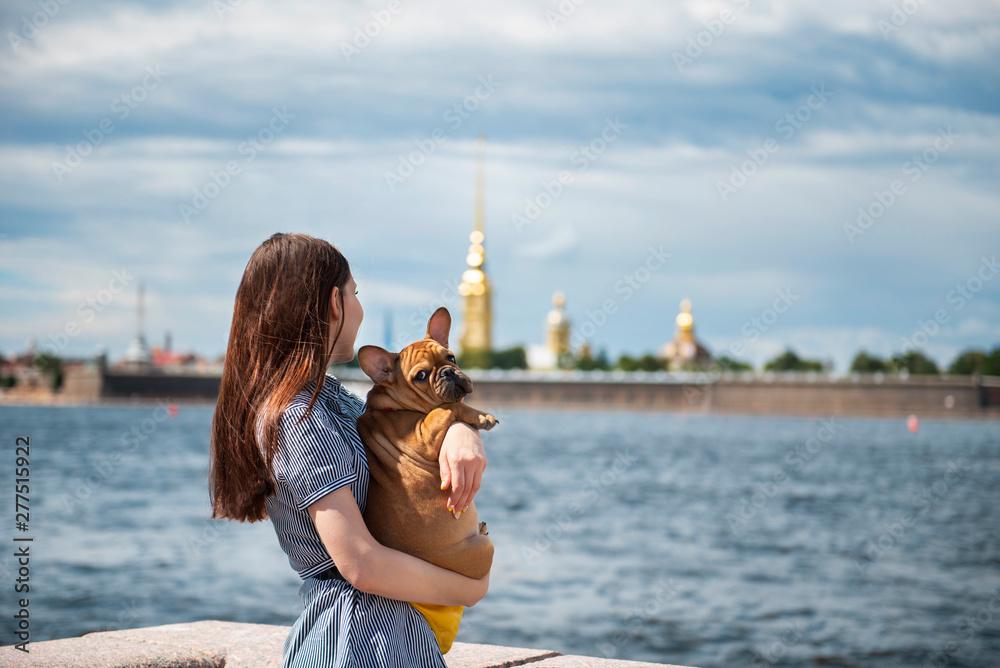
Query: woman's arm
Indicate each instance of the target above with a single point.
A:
(462, 461)
(373, 568)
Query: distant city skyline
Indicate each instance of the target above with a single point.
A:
(813, 176)
(57, 343)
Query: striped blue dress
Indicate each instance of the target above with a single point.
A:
(340, 626)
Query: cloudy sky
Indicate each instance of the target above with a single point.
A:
(817, 175)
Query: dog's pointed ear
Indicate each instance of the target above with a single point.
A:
(377, 362)
(439, 325)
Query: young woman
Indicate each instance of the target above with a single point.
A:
(285, 446)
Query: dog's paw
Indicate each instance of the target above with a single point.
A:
(487, 421)
(483, 531)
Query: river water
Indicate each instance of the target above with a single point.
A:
(696, 540)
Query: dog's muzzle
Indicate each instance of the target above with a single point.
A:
(454, 384)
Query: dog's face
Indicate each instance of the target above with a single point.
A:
(423, 375)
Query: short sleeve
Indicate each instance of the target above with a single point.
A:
(312, 456)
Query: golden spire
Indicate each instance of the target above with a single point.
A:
(475, 288)
(480, 185)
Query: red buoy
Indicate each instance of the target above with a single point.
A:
(912, 424)
(172, 410)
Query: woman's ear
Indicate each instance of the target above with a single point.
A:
(335, 311)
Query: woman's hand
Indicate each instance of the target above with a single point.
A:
(462, 461)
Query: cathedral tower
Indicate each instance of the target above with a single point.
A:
(477, 313)
(685, 352)
(557, 326)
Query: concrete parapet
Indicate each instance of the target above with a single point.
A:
(214, 644)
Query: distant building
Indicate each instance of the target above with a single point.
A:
(556, 345)
(557, 325)
(138, 356)
(167, 359)
(141, 358)
(684, 352)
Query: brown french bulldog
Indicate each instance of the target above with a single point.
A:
(417, 395)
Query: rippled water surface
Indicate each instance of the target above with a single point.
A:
(696, 540)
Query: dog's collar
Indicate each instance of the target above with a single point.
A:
(388, 409)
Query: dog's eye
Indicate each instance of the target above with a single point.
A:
(421, 375)
(450, 358)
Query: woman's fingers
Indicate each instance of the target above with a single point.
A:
(477, 479)
(445, 474)
(472, 476)
(462, 461)
(456, 500)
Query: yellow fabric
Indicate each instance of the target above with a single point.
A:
(443, 620)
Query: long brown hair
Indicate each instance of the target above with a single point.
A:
(279, 341)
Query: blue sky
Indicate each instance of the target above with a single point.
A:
(740, 137)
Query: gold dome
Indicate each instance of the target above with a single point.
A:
(685, 321)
